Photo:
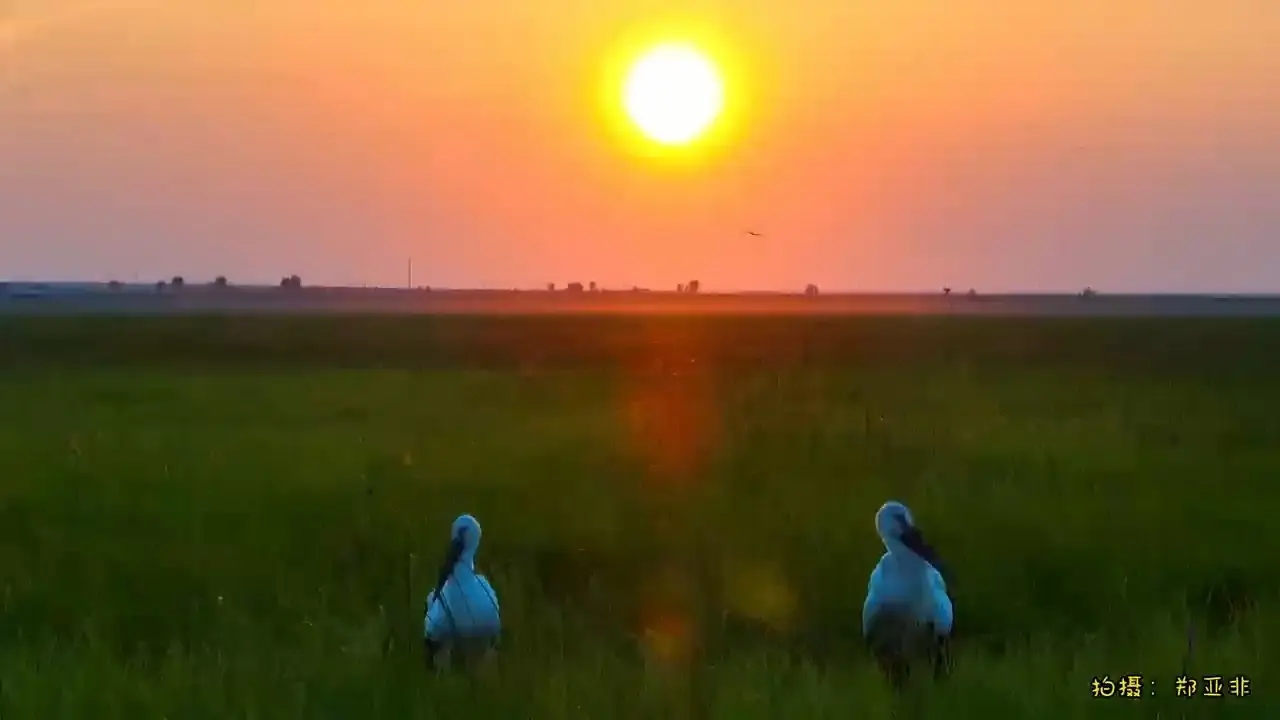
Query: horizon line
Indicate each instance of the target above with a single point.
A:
(562, 289)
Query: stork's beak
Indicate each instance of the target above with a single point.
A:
(451, 557)
(915, 542)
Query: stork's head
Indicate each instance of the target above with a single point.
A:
(465, 534)
(464, 540)
(897, 529)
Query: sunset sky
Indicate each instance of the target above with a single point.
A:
(1130, 145)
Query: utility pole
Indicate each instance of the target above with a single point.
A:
(410, 273)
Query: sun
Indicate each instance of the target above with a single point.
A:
(673, 94)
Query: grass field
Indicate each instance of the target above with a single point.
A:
(231, 517)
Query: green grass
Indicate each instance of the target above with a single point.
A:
(233, 517)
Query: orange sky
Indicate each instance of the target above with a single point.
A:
(878, 145)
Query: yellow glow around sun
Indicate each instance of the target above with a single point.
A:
(673, 94)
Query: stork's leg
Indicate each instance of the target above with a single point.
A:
(890, 638)
(896, 668)
(942, 657)
(431, 648)
(473, 653)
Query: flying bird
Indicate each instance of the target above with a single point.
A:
(907, 616)
(462, 610)
(753, 233)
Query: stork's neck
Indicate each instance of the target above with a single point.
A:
(902, 553)
(466, 561)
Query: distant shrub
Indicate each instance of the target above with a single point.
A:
(292, 282)
(811, 290)
(177, 282)
(551, 287)
(114, 285)
(573, 287)
(160, 285)
(592, 287)
(220, 281)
